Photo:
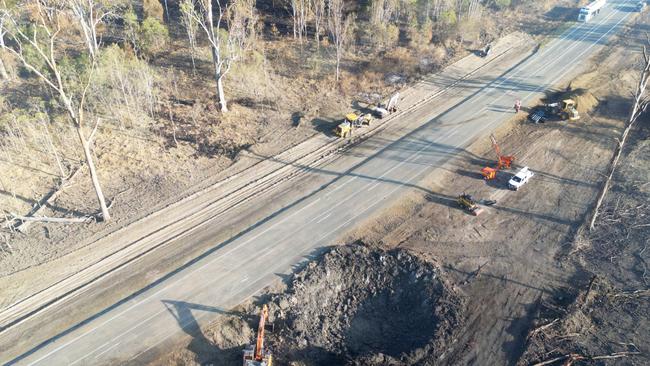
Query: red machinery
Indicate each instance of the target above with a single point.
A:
(503, 161)
(256, 355)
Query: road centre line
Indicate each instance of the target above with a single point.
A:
(106, 350)
(326, 216)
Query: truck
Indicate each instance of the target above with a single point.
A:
(591, 10)
(519, 179)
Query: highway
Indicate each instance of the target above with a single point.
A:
(337, 197)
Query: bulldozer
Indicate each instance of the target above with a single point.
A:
(469, 204)
(344, 129)
(256, 355)
(503, 161)
(565, 110)
(352, 120)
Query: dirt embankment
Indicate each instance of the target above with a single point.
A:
(366, 306)
(354, 306)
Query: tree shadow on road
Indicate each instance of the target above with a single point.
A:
(204, 349)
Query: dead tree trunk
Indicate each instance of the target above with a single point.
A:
(639, 106)
(3, 70)
(51, 75)
(85, 143)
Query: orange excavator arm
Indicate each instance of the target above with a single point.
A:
(259, 346)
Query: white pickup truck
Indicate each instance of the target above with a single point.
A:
(520, 178)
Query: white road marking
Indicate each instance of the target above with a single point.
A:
(323, 218)
(106, 350)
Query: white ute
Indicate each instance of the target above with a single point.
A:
(520, 178)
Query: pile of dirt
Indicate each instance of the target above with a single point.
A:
(365, 306)
(585, 101)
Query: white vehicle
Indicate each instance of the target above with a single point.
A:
(520, 178)
(384, 109)
(591, 10)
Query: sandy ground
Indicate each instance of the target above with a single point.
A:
(515, 260)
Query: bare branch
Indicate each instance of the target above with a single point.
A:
(68, 220)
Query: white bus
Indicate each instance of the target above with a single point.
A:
(591, 10)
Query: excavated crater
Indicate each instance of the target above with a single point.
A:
(365, 306)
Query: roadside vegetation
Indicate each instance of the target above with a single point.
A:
(118, 106)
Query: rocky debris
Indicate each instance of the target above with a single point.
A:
(363, 306)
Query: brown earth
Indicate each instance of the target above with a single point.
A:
(367, 307)
(518, 265)
(607, 323)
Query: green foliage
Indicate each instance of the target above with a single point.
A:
(122, 85)
(153, 36)
(448, 17)
(74, 72)
(502, 4)
(147, 38)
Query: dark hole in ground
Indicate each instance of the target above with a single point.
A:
(392, 323)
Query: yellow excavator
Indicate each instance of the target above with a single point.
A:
(352, 120)
(256, 355)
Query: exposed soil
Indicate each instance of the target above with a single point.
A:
(365, 306)
(356, 305)
(607, 323)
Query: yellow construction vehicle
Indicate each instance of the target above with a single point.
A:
(344, 129)
(565, 109)
(352, 120)
(359, 119)
(469, 204)
(256, 355)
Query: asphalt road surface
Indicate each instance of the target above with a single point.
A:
(341, 194)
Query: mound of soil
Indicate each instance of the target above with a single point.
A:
(585, 100)
(365, 306)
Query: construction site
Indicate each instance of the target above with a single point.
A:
(489, 211)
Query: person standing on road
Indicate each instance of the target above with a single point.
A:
(517, 105)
